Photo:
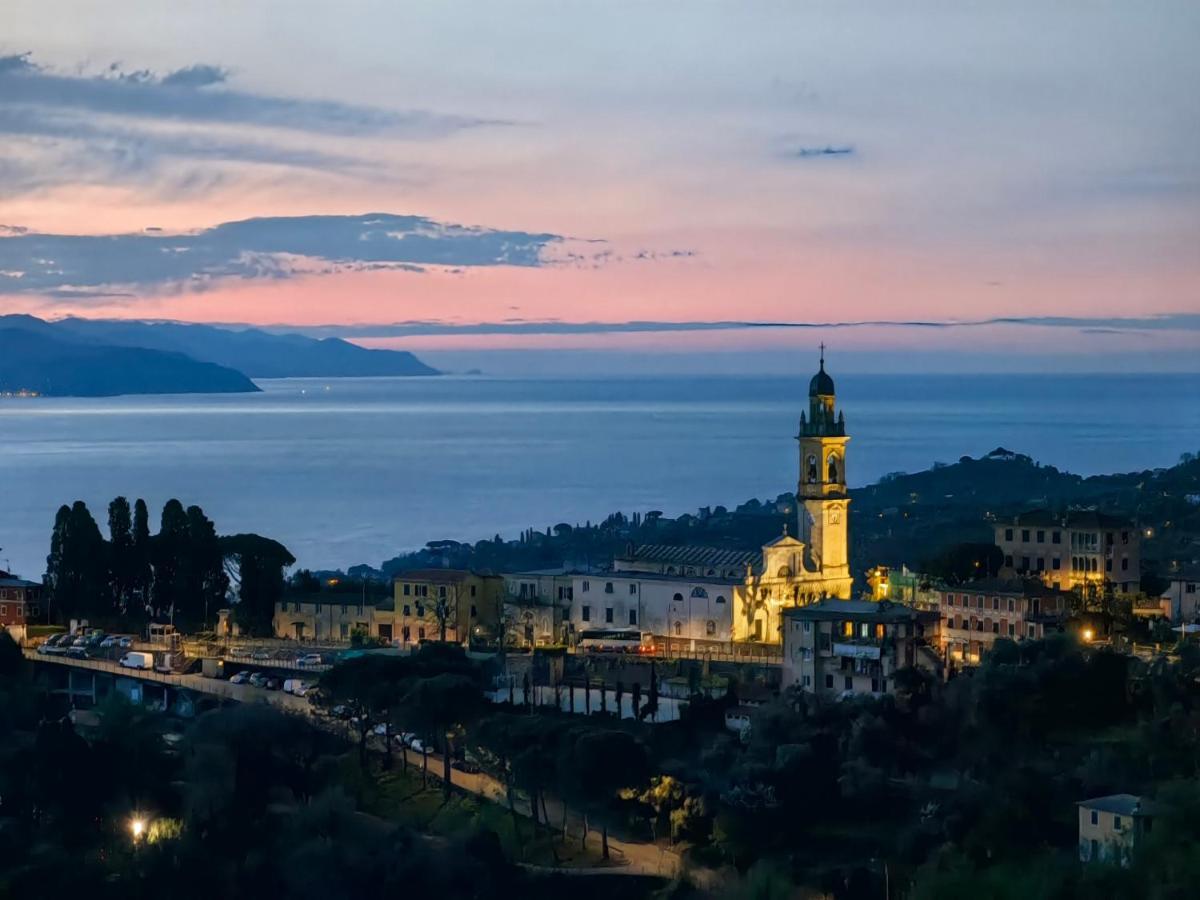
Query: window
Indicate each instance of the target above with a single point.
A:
(829, 681)
(343, 609)
(879, 630)
(406, 610)
(1116, 823)
(849, 682)
(586, 612)
(473, 590)
(1056, 564)
(1024, 535)
(420, 634)
(1008, 561)
(587, 586)
(1041, 536)
(720, 599)
(1108, 565)
(678, 598)
(1095, 817)
(608, 614)
(442, 591)
(848, 629)
(424, 590)
(1024, 563)
(710, 628)
(1095, 854)
(407, 589)
(995, 627)
(807, 627)
(1010, 604)
(33, 610)
(995, 603)
(474, 612)
(633, 617)
(633, 588)
(979, 624)
(1012, 630)
(950, 622)
(1041, 564)
(608, 587)
(979, 602)
(420, 610)
(1124, 563)
(678, 629)
(700, 593)
(344, 630)
(1056, 537)
(1008, 534)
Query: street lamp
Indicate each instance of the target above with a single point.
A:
(137, 828)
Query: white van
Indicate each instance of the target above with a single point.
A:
(136, 660)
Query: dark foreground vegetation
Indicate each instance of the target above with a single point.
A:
(962, 789)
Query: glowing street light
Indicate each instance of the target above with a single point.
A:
(137, 828)
(1088, 634)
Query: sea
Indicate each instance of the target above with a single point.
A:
(356, 470)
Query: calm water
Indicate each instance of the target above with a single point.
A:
(355, 470)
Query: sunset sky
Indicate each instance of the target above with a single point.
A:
(456, 176)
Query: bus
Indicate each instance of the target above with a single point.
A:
(615, 640)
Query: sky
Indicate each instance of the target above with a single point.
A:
(617, 186)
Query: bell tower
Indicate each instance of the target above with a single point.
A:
(823, 499)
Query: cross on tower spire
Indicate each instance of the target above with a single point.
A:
(822, 354)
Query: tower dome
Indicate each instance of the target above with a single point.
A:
(821, 384)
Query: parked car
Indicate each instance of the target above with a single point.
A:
(261, 654)
(53, 644)
(310, 659)
(125, 643)
(240, 677)
(80, 641)
(109, 642)
(272, 684)
(295, 686)
(135, 660)
(258, 679)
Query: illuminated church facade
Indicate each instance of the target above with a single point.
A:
(815, 563)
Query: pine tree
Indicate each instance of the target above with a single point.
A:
(121, 560)
(169, 547)
(140, 581)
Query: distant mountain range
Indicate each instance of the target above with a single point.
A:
(88, 357)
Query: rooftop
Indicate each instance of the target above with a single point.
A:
(678, 578)
(1072, 518)
(711, 557)
(437, 576)
(11, 581)
(865, 610)
(1120, 805)
(1022, 587)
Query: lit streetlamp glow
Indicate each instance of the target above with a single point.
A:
(137, 828)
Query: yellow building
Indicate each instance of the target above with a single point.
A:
(469, 603)
(325, 617)
(1110, 828)
(797, 571)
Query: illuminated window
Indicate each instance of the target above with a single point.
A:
(848, 629)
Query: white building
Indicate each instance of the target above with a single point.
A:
(697, 611)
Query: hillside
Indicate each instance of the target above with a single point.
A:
(259, 354)
(904, 519)
(37, 360)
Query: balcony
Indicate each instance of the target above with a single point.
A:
(858, 649)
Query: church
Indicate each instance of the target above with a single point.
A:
(815, 563)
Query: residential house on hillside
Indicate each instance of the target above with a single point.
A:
(20, 604)
(839, 647)
(976, 613)
(1073, 550)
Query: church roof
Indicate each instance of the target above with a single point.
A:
(693, 556)
(784, 540)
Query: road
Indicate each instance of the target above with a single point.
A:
(629, 857)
